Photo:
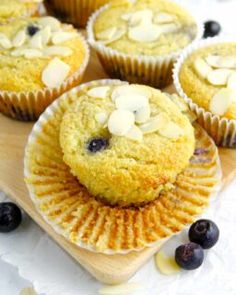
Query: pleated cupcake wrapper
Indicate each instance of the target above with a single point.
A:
(75, 11)
(28, 106)
(222, 130)
(67, 206)
(143, 69)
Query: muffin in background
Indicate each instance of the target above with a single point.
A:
(76, 12)
(12, 9)
(40, 59)
(205, 75)
(138, 41)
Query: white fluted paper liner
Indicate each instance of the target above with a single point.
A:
(76, 12)
(97, 227)
(153, 70)
(222, 130)
(28, 106)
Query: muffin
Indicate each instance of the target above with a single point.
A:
(91, 222)
(11, 9)
(139, 41)
(126, 144)
(40, 58)
(76, 12)
(206, 76)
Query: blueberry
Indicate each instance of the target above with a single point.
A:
(205, 233)
(10, 217)
(97, 144)
(200, 151)
(212, 28)
(189, 256)
(32, 30)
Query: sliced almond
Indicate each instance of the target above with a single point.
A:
(171, 130)
(135, 133)
(219, 77)
(132, 102)
(231, 83)
(130, 90)
(32, 53)
(155, 124)
(169, 28)
(46, 34)
(110, 35)
(145, 33)
(221, 101)
(60, 37)
(217, 61)
(166, 265)
(5, 41)
(120, 122)
(50, 21)
(57, 50)
(120, 289)
(163, 18)
(19, 39)
(202, 68)
(126, 16)
(119, 34)
(143, 115)
(106, 34)
(98, 92)
(36, 41)
(27, 52)
(55, 73)
(101, 118)
(181, 104)
(141, 17)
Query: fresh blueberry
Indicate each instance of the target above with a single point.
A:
(211, 29)
(97, 144)
(32, 30)
(10, 217)
(189, 256)
(205, 233)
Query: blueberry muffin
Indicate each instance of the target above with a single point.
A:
(76, 12)
(205, 75)
(95, 222)
(138, 40)
(208, 77)
(39, 59)
(11, 9)
(126, 144)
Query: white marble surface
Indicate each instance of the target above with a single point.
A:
(41, 262)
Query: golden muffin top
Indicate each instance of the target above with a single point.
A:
(38, 53)
(208, 77)
(10, 9)
(146, 27)
(126, 143)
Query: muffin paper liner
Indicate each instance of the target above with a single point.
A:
(28, 106)
(155, 71)
(87, 222)
(222, 130)
(74, 11)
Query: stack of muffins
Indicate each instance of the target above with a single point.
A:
(116, 166)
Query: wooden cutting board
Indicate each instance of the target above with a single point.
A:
(110, 269)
